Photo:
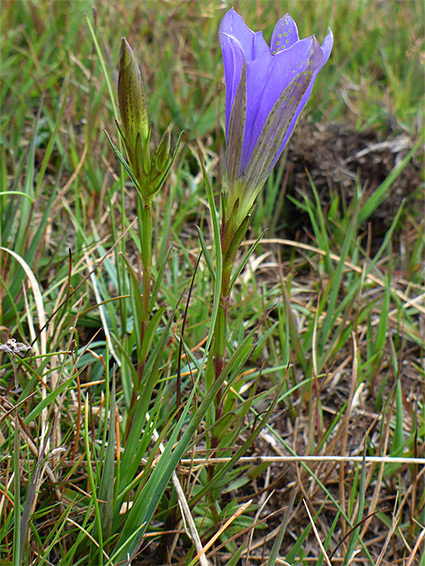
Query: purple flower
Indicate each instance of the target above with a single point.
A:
(266, 90)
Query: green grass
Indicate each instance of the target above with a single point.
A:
(326, 339)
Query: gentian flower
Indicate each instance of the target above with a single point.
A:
(266, 90)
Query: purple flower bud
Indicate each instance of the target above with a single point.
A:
(266, 90)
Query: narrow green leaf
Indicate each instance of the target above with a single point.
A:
(49, 399)
(123, 162)
(136, 304)
(17, 542)
(206, 253)
(106, 489)
(246, 259)
(218, 258)
(52, 140)
(359, 498)
(150, 332)
(398, 439)
(282, 530)
(93, 486)
(158, 280)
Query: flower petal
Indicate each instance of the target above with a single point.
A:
(238, 44)
(233, 62)
(285, 34)
(252, 43)
(277, 126)
(326, 51)
(235, 134)
(267, 79)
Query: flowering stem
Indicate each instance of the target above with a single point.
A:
(231, 238)
(145, 224)
(144, 209)
(146, 253)
(220, 332)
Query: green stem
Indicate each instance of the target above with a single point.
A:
(231, 237)
(219, 352)
(144, 210)
(146, 245)
(146, 254)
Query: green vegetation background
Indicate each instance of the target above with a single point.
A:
(349, 321)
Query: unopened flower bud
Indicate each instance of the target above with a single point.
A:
(148, 170)
(131, 99)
